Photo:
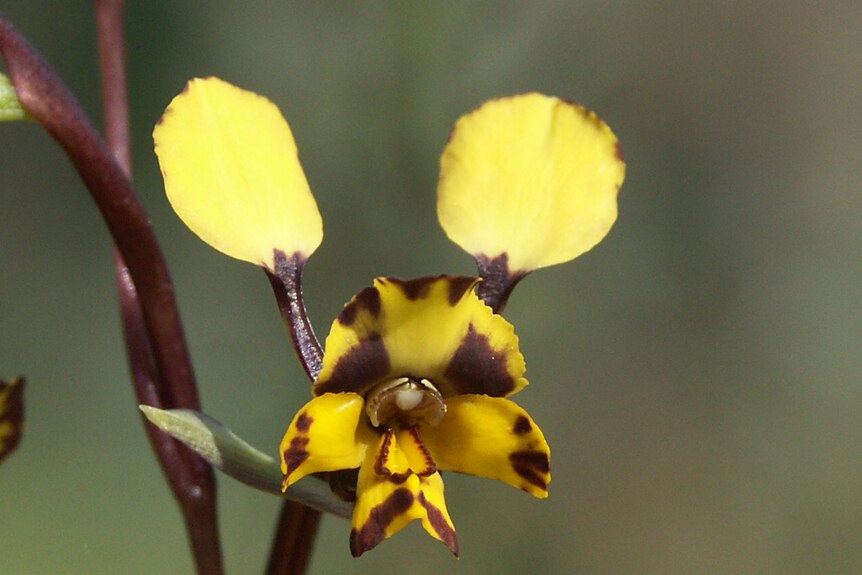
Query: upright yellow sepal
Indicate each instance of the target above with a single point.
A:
(532, 177)
(232, 173)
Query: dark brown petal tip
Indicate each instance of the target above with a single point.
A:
(368, 299)
(438, 522)
(532, 466)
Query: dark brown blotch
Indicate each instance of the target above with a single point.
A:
(295, 454)
(416, 288)
(362, 366)
(532, 466)
(374, 529)
(440, 525)
(368, 299)
(522, 425)
(458, 286)
(477, 367)
(303, 422)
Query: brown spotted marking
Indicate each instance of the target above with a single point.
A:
(381, 516)
(458, 286)
(416, 288)
(441, 526)
(359, 368)
(303, 422)
(532, 466)
(477, 367)
(618, 152)
(295, 454)
(522, 425)
(368, 299)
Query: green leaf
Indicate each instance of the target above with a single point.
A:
(225, 451)
(10, 107)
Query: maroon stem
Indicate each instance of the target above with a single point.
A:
(297, 525)
(287, 285)
(294, 539)
(189, 477)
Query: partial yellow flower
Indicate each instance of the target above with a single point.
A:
(414, 381)
(531, 178)
(232, 173)
(11, 415)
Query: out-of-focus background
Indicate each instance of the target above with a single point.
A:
(697, 374)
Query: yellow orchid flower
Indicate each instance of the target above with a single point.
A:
(416, 374)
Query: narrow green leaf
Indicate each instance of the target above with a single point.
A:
(225, 451)
(10, 107)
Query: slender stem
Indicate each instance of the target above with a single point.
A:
(50, 102)
(297, 525)
(497, 281)
(291, 548)
(287, 285)
(188, 476)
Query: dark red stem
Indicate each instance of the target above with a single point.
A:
(286, 283)
(294, 539)
(297, 524)
(190, 477)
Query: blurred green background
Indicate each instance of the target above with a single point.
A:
(697, 374)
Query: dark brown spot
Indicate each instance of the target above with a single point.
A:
(440, 525)
(374, 529)
(618, 152)
(295, 454)
(477, 367)
(522, 425)
(458, 286)
(368, 299)
(416, 288)
(362, 366)
(303, 422)
(533, 466)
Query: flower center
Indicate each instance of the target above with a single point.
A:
(407, 401)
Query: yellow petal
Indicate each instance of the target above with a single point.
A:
(436, 520)
(232, 173)
(11, 415)
(531, 177)
(433, 328)
(491, 437)
(329, 434)
(385, 504)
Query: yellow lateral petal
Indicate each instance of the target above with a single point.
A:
(328, 434)
(530, 176)
(491, 437)
(431, 327)
(232, 173)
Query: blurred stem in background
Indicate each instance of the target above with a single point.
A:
(158, 356)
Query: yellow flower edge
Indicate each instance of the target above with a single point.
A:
(232, 173)
(530, 176)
